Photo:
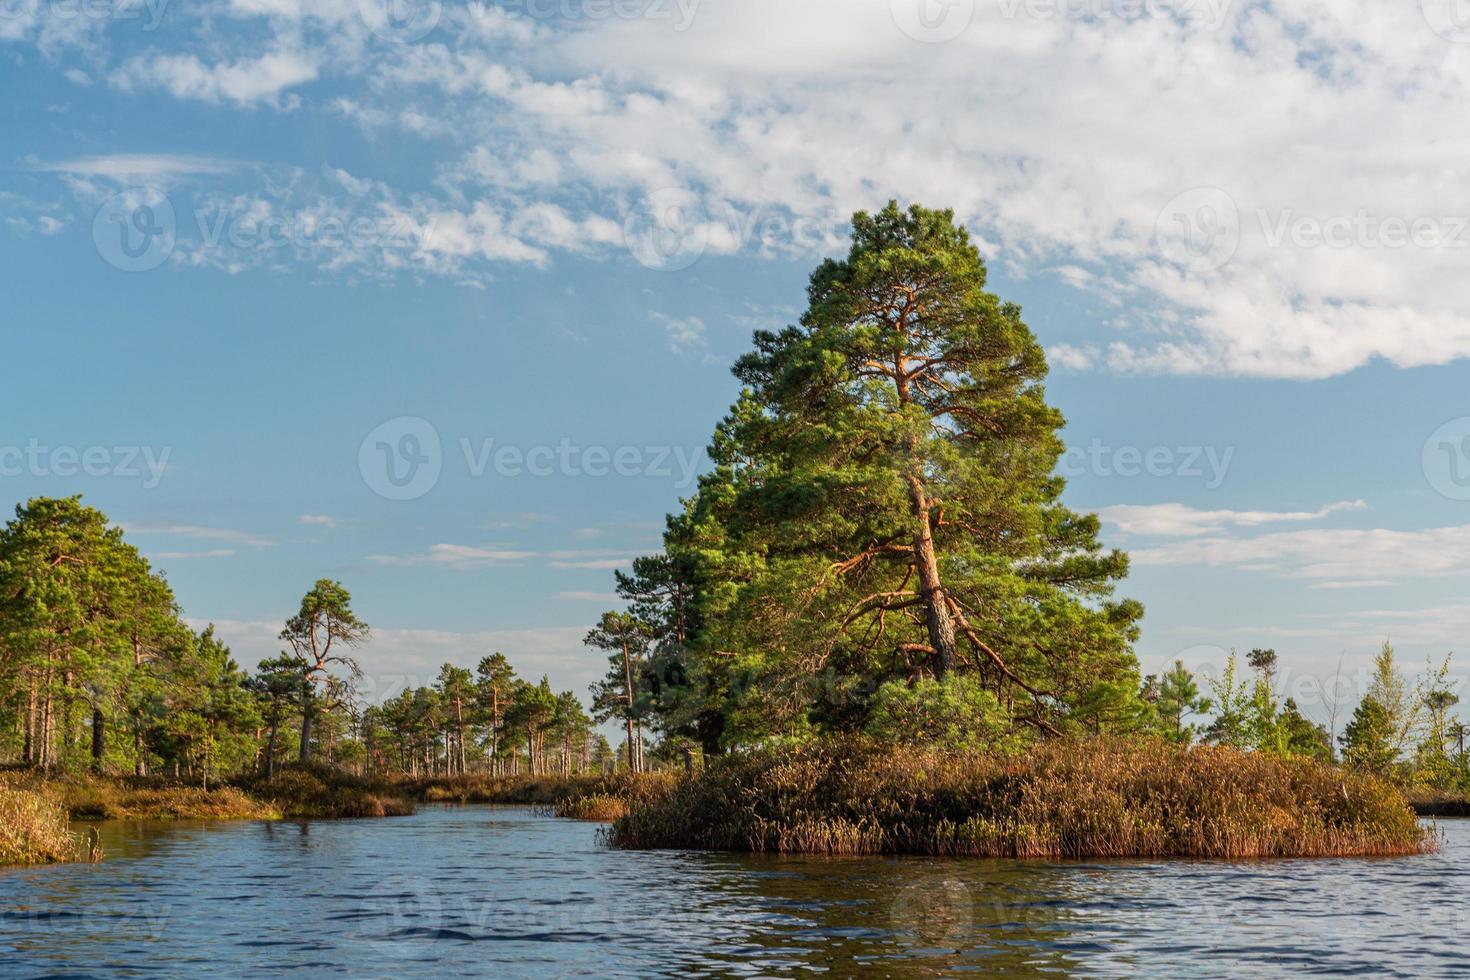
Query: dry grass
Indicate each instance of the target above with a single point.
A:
(1063, 799)
(33, 828)
(91, 798)
(555, 795)
(315, 790)
(595, 807)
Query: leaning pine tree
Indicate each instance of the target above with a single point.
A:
(885, 509)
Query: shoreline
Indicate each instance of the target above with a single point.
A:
(1088, 799)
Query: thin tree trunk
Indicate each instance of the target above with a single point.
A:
(306, 713)
(28, 752)
(99, 739)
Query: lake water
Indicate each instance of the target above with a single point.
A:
(505, 893)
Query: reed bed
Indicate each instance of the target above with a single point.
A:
(134, 798)
(316, 790)
(33, 828)
(1097, 798)
(600, 798)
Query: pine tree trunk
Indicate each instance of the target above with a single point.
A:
(306, 713)
(937, 614)
(28, 752)
(99, 739)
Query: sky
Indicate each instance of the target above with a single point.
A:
(440, 299)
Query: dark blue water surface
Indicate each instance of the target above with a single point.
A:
(482, 891)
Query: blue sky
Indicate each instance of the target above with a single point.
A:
(545, 230)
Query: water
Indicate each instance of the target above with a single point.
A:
(501, 892)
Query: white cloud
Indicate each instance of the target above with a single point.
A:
(467, 557)
(456, 556)
(139, 166)
(686, 334)
(1067, 143)
(601, 564)
(200, 532)
(606, 598)
(1177, 520)
(319, 520)
(244, 82)
(212, 553)
(1332, 555)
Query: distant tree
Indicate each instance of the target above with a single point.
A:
(626, 637)
(319, 635)
(604, 760)
(1369, 741)
(533, 706)
(1178, 698)
(494, 680)
(1232, 700)
(456, 687)
(1433, 764)
(1300, 736)
(1402, 705)
(279, 685)
(1265, 733)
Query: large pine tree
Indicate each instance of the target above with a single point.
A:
(885, 505)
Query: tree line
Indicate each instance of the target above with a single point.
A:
(99, 671)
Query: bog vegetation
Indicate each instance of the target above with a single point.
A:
(880, 552)
(1101, 797)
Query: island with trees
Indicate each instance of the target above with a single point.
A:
(874, 627)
